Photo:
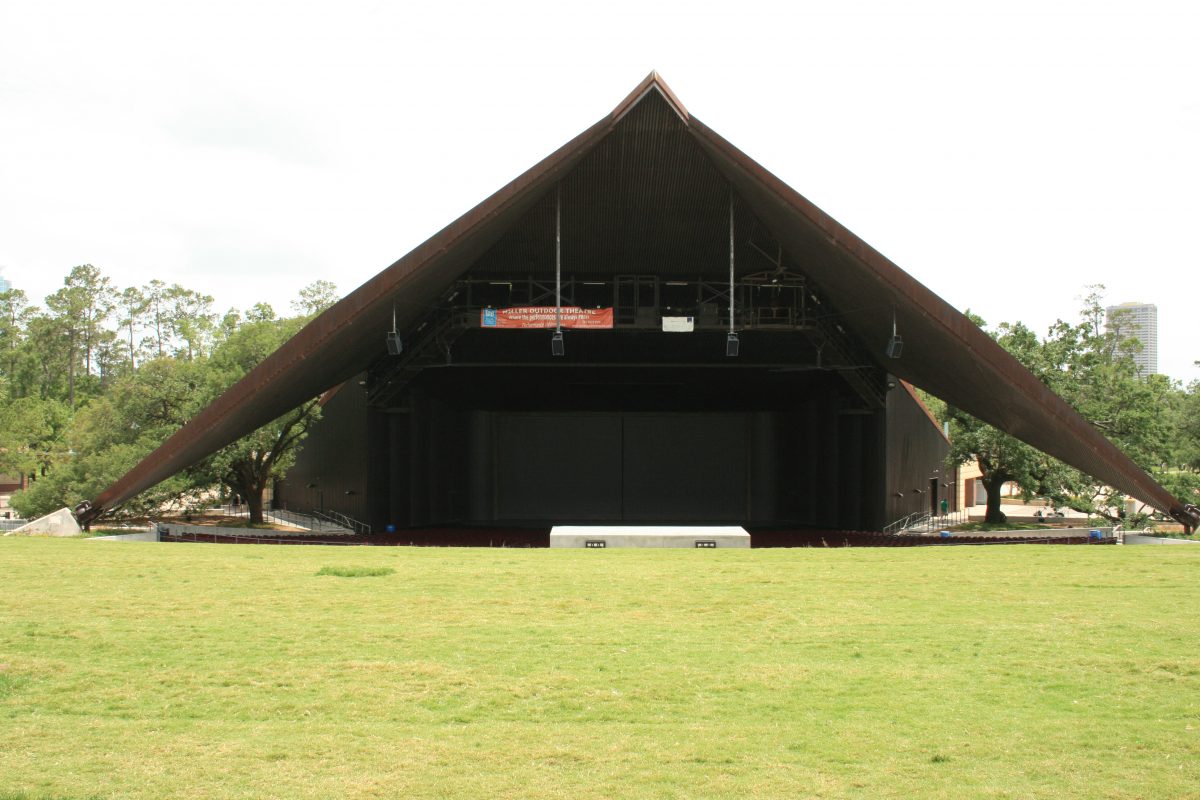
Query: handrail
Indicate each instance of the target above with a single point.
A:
(345, 520)
(905, 522)
(314, 522)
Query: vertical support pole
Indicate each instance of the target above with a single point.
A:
(731, 340)
(731, 262)
(556, 341)
(558, 260)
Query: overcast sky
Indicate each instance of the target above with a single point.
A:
(1005, 154)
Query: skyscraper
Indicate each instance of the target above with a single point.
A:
(1139, 320)
(4, 284)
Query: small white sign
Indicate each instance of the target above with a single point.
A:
(679, 324)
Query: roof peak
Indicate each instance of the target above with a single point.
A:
(651, 83)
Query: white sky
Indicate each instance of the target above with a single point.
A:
(1005, 154)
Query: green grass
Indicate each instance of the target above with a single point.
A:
(356, 572)
(232, 671)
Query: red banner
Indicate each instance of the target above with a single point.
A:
(544, 317)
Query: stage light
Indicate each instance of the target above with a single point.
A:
(731, 345)
(895, 345)
(557, 348)
(394, 346)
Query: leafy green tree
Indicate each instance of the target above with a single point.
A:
(191, 320)
(111, 434)
(158, 319)
(99, 302)
(133, 305)
(83, 405)
(1003, 458)
(1095, 372)
(1187, 446)
(1092, 368)
(315, 298)
(14, 319)
(44, 362)
(31, 435)
(247, 467)
(66, 330)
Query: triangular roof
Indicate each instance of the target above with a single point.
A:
(944, 352)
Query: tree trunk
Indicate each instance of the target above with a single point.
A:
(71, 372)
(254, 499)
(993, 484)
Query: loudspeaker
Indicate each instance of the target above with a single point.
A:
(895, 346)
(731, 345)
(394, 346)
(557, 348)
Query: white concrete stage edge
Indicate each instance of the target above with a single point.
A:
(604, 536)
(1139, 538)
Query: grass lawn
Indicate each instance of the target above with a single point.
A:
(132, 670)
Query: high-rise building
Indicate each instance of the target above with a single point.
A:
(4, 284)
(1139, 320)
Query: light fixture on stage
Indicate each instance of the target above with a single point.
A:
(731, 345)
(557, 348)
(394, 346)
(895, 345)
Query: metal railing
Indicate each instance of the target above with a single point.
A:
(906, 522)
(926, 522)
(12, 524)
(308, 522)
(345, 521)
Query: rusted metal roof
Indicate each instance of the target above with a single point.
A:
(646, 189)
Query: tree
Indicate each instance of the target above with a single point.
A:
(247, 467)
(315, 298)
(1187, 446)
(99, 302)
(110, 435)
(31, 435)
(1003, 458)
(1092, 368)
(155, 297)
(67, 308)
(133, 307)
(14, 317)
(190, 319)
(1095, 372)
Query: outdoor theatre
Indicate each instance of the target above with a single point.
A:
(646, 327)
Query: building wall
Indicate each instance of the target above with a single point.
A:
(8, 485)
(1139, 320)
(331, 470)
(917, 476)
(968, 477)
(440, 460)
